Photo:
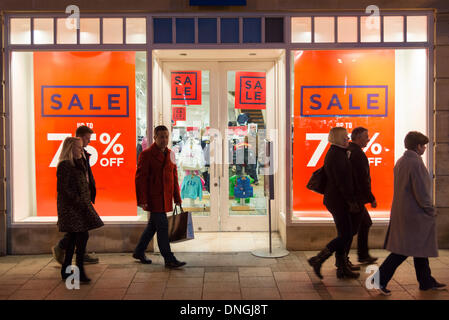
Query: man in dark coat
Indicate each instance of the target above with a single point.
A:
(84, 133)
(156, 188)
(362, 179)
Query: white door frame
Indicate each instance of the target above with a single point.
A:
(219, 219)
(211, 222)
(244, 222)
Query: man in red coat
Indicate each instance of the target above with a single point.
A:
(156, 187)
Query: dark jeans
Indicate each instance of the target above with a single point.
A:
(157, 223)
(343, 223)
(361, 223)
(76, 240)
(422, 269)
(362, 238)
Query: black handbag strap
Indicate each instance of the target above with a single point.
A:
(175, 210)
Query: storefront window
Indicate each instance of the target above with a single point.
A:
(394, 29)
(347, 29)
(370, 29)
(43, 31)
(302, 29)
(66, 31)
(20, 31)
(113, 30)
(90, 31)
(136, 30)
(324, 29)
(53, 93)
(416, 28)
(383, 90)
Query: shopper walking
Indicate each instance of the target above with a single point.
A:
(412, 229)
(339, 199)
(76, 215)
(156, 187)
(84, 133)
(362, 178)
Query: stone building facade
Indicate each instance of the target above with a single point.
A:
(116, 238)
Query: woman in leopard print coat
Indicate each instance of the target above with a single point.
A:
(76, 214)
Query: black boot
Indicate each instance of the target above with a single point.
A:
(80, 265)
(318, 260)
(67, 262)
(343, 270)
(65, 275)
(351, 266)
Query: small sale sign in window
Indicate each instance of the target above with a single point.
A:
(186, 88)
(250, 90)
(179, 113)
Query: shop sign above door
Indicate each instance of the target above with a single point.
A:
(186, 88)
(250, 90)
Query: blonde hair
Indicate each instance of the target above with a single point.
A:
(337, 135)
(67, 147)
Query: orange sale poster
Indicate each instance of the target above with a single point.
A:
(96, 89)
(348, 88)
(250, 90)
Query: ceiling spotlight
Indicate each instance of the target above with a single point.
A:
(183, 54)
(252, 54)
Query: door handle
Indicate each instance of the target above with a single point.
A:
(215, 154)
(222, 158)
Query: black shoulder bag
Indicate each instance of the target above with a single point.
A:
(317, 181)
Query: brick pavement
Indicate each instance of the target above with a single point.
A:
(216, 276)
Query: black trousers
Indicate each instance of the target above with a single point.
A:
(344, 224)
(76, 240)
(157, 223)
(422, 269)
(64, 242)
(361, 223)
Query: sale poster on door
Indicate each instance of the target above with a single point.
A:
(347, 88)
(186, 88)
(250, 90)
(96, 89)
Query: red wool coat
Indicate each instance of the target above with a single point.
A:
(157, 180)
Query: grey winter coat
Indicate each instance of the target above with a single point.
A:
(412, 229)
(75, 210)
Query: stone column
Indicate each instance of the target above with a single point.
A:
(441, 118)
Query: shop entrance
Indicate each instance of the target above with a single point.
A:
(220, 113)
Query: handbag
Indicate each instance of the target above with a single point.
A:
(317, 182)
(180, 226)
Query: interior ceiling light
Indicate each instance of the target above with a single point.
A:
(183, 54)
(252, 54)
